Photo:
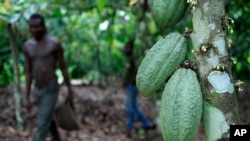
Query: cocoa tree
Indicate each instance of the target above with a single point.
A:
(210, 46)
(16, 83)
(213, 67)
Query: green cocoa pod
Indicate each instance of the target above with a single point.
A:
(181, 107)
(160, 62)
(169, 12)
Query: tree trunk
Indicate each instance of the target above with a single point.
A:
(211, 51)
(17, 90)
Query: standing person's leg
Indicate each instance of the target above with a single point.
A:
(54, 131)
(46, 105)
(129, 106)
(138, 113)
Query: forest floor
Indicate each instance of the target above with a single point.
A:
(100, 112)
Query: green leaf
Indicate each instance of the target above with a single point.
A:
(14, 18)
(248, 59)
(3, 57)
(4, 49)
(3, 17)
(101, 4)
(57, 13)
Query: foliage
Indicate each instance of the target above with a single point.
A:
(93, 34)
(239, 37)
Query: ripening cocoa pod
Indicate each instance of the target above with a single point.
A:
(160, 62)
(181, 107)
(169, 12)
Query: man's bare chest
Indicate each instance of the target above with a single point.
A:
(41, 51)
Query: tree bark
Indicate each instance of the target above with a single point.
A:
(17, 90)
(211, 51)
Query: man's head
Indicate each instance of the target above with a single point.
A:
(129, 48)
(37, 26)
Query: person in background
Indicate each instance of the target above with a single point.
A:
(129, 83)
(42, 54)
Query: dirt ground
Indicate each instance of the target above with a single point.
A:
(101, 116)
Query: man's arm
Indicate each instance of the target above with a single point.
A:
(63, 68)
(28, 74)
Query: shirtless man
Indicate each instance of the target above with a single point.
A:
(42, 53)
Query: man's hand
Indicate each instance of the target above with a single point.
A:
(70, 94)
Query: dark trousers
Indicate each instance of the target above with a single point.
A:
(46, 101)
(132, 109)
